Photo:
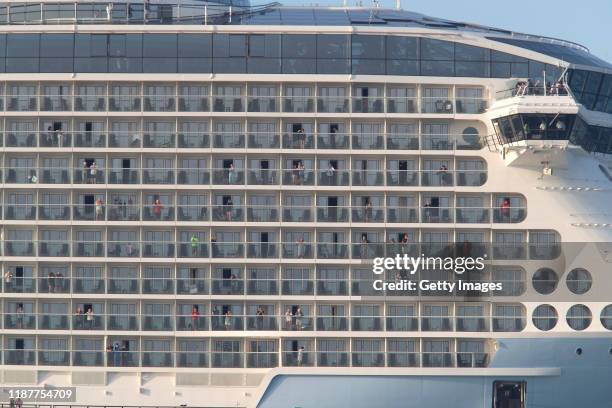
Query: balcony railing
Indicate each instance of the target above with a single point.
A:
(256, 214)
(238, 140)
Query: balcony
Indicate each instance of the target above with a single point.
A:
(228, 104)
(367, 214)
(55, 103)
(192, 322)
(196, 103)
(88, 285)
(262, 287)
(436, 215)
(123, 285)
(263, 141)
(193, 249)
(159, 140)
(229, 177)
(192, 213)
(366, 323)
(192, 286)
(298, 177)
(88, 358)
(402, 323)
(262, 214)
(54, 212)
(332, 323)
(122, 322)
(159, 103)
(437, 178)
(332, 359)
(26, 321)
(262, 250)
(229, 286)
(263, 177)
(298, 104)
(297, 214)
(332, 251)
(402, 142)
(402, 105)
(327, 104)
(368, 142)
(19, 357)
(20, 212)
(89, 103)
(229, 140)
(193, 140)
(88, 322)
(368, 105)
(372, 178)
(262, 104)
(158, 176)
(299, 287)
(298, 140)
(332, 214)
(19, 248)
(333, 141)
(402, 215)
(48, 321)
(193, 176)
(262, 322)
(333, 177)
(157, 322)
(118, 103)
(368, 359)
(465, 215)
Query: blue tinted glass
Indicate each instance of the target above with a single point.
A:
(465, 52)
(593, 82)
(299, 66)
(333, 66)
(437, 68)
(159, 45)
(195, 45)
(471, 69)
(402, 67)
(577, 80)
(332, 46)
(368, 66)
(500, 70)
(56, 45)
(437, 50)
(299, 46)
(22, 45)
(368, 46)
(56, 64)
(402, 47)
(194, 65)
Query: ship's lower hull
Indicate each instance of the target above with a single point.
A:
(559, 373)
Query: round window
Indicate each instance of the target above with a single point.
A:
(579, 281)
(578, 317)
(544, 317)
(545, 281)
(471, 136)
(606, 317)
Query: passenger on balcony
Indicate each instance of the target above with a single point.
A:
(300, 248)
(363, 247)
(157, 209)
(20, 314)
(295, 174)
(301, 138)
(32, 177)
(404, 244)
(84, 172)
(93, 173)
(300, 356)
(231, 174)
(260, 317)
(227, 320)
(228, 207)
(505, 210)
(89, 317)
(129, 249)
(195, 243)
(51, 282)
(59, 136)
(195, 317)
(299, 316)
(444, 175)
(99, 209)
(288, 319)
(367, 210)
(59, 281)
(8, 277)
(301, 172)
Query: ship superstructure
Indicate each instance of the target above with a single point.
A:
(193, 195)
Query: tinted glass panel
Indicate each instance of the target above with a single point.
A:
(195, 45)
(299, 46)
(402, 47)
(332, 46)
(159, 45)
(56, 45)
(437, 50)
(22, 45)
(368, 46)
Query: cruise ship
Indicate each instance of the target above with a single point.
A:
(194, 197)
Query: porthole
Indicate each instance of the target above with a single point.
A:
(471, 136)
(578, 317)
(606, 318)
(579, 281)
(544, 317)
(579, 351)
(545, 281)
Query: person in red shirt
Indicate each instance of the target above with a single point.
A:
(157, 208)
(195, 317)
(505, 209)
